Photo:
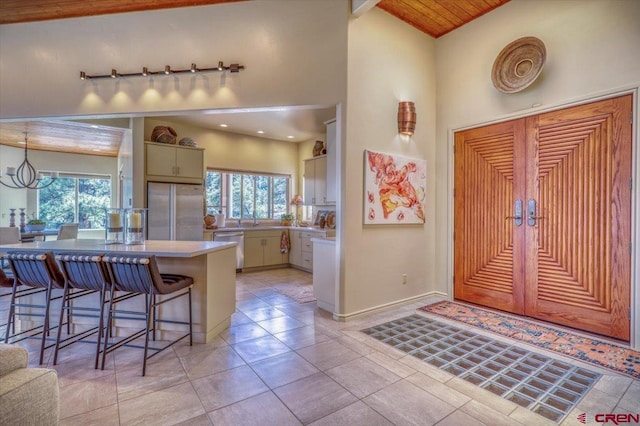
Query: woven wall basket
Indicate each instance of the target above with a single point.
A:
(518, 64)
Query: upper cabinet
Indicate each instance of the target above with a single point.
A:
(315, 176)
(174, 163)
(320, 173)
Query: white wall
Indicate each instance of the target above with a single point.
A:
(389, 61)
(294, 53)
(592, 49)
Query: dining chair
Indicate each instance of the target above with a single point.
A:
(85, 275)
(139, 275)
(68, 231)
(37, 271)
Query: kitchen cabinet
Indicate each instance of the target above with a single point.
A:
(262, 248)
(315, 177)
(324, 274)
(174, 163)
(301, 253)
(331, 170)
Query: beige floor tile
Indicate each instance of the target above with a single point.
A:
(314, 397)
(614, 386)
(262, 409)
(328, 354)
(486, 414)
(460, 418)
(424, 368)
(438, 389)
(362, 377)
(81, 369)
(280, 324)
(259, 349)
(183, 349)
(89, 395)
(391, 364)
(283, 369)
(106, 416)
(241, 333)
(205, 363)
(201, 420)
(482, 396)
(356, 414)
(165, 407)
(528, 417)
(227, 387)
(164, 374)
(299, 338)
(629, 400)
(403, 403)
(126, 357)
(597, 401)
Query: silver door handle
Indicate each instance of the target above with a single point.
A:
(531, 215)
(517, 217)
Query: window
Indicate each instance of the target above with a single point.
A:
(75, 198)
(243, 195)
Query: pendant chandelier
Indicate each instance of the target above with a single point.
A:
(25, 175)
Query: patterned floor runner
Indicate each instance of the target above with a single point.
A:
(544, 385)
(598, 352)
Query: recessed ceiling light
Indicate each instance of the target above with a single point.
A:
(261, 131)
(223, 125)
(290, 137)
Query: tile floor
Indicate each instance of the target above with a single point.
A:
(283, 363)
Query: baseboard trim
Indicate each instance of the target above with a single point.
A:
(380, 308)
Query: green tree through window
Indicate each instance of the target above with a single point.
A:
(241, 195)
(73, 198)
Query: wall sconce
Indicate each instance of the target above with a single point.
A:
(406, 118)
(166, 71)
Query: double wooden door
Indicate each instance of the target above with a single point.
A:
(542, 220)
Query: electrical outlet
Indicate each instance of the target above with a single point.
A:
(404, 279)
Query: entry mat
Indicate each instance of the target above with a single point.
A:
(593, 351)
(544, 385)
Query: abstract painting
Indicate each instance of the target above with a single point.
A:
(394, 189)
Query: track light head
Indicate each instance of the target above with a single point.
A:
(83, 76)
(114, 73)
(167, 69)
(145, 71)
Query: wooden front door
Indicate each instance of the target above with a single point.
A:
(564, 256)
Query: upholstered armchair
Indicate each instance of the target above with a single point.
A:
(28, 396)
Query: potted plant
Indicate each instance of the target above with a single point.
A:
(34, 224)
(287, 219)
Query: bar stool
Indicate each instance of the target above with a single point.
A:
(139, 275)
(37, 271)
(85, 275)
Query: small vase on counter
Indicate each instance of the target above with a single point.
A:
(114, 228)
(135, 226)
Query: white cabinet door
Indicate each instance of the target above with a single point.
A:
(310, 181)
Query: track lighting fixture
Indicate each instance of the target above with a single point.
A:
(167, 71)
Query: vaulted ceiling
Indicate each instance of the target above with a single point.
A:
(433, 17)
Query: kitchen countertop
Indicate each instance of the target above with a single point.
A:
(159, 248)
(268, 227)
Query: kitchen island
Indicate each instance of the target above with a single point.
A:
(210, 263)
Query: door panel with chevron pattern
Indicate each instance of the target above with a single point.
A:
(569, 264)
(488, 260)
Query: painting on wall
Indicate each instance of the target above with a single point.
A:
(394, 189)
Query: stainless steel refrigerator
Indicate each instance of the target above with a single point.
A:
(175, 211)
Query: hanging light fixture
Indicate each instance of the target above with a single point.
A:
(25, 175)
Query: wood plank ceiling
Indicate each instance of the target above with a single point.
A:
(433, 17)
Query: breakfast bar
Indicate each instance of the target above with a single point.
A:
(210, 263)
